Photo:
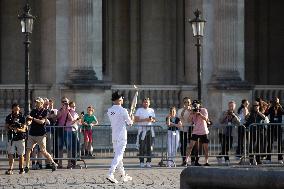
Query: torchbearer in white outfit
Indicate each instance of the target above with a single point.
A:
(119, 119)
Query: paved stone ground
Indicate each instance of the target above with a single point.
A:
(93, 177)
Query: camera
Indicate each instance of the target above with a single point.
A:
(195, 108)
(16, 125)
(230, 112)
(52, 112)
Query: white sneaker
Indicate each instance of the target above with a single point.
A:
(111, 179)
(148, 165)
(142, 165)
(126, 178)
(227, 162)
(280, 161)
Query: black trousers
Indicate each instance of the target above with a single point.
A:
(257, 141)
(241, 138)
(145, 146)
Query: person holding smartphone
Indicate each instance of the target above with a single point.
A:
(145, 117)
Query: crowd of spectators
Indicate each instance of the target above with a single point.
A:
(46, 130)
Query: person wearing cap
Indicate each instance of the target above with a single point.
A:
(36, 153)
(37, 133)
(199, 118)
(16, 127)
(119, 119)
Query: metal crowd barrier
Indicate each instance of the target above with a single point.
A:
(227, 141)
(62, 145)
(103, 148)
(224, 141)
(265, 140)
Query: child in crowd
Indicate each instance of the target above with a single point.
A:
(89, 121)
(173, 123)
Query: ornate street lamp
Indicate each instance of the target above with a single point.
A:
(27, 21)
(198, 30)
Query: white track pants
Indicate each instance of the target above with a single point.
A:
(173, 144)
(119, 148)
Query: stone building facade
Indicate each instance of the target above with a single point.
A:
(84, 49)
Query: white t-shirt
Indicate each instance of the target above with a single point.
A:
(184, 119)
(119, 117)
(143, 113)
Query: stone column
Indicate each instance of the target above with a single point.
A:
(227, 81)
(229, 43)
(135, 41)
(85, 44)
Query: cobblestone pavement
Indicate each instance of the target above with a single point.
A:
(93, 177)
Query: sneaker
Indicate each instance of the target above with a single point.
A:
(54, 166)
(9, 172)
(27, 169)
(21, 171)
(227, 162)
(148, 164)
(280, 161)
(206, 164)
(126, 178)
(219, 160)
(111, 179)
(142, 165)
